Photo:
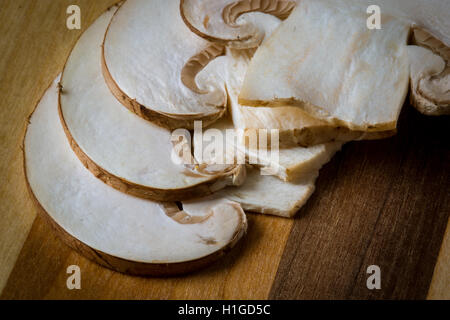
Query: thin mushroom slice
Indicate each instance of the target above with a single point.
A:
(430, 74)
(156, 67)
(239, 24)
(346, 74)
(118, 231)
(120, 148)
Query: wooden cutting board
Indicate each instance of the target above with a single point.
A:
(382, 203)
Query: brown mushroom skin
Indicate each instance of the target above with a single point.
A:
(278, 8)
(196, 64)
(203, 189)
(232, 11)
(156, 269)
(164, 120)
(431, 94)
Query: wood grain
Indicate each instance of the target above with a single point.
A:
(440, 285)
(246, 273)
(33, 46)
(382, 203)
(34, 50)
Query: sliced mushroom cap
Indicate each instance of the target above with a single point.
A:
(159, 69)
(120, 148)
(240, 24)
(430, 74)
(116, 230)
(346, 74)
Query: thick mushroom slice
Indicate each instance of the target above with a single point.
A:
(324, 60)
(159, 69)
(277, 187)
(430, 20)
(430, 74)
(295, 126)
(267, 194)
(430, 15)
(280, 186)
(430, 80)
(293, 163)
(287, 164)
(240, 24)
(118, 231)
(119, 147)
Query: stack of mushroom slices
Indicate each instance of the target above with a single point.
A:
(100, 155)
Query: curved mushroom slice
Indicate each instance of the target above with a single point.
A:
(346, 75)
(116, 230)
(120, 148)
(295, 127)
(159, 69)
(240, 24)
(430, 74)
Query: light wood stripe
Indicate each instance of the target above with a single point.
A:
(34, 45)
(440, 285)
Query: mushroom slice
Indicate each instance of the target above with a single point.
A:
(280, 186)
(118, 231)
(267, 194)
(240, 24)
(120, 148)
(291, 173)
(430, 74)
(430, 19)
(430, 15)
(288, 164)
(293, 163)
(295, 127)
(324, 60)
(159, 69)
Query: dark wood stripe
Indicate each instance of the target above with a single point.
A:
(382, 203)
